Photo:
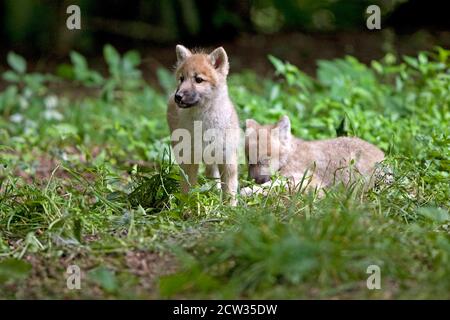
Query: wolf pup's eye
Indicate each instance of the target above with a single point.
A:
(198, 80)
(181, 78)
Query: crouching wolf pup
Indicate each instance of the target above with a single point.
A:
(305, 164)
(203, 123)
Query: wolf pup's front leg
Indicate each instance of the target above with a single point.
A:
(199, 108)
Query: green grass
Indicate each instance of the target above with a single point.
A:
(86, 179)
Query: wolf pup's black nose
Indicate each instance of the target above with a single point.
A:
(262, 179)
(178, 97)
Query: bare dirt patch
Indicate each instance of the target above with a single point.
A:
(149, 266)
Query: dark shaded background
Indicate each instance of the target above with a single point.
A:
(300, 31)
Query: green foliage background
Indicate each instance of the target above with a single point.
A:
(39, 26)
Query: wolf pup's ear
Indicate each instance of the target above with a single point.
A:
(219, 60)
(250, 123)
(284, 125)
(182, 53)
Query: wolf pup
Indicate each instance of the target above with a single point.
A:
(306, 164)
(201, 105)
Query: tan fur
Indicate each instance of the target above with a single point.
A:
(212, 107)
(315, 164)
(199, 64)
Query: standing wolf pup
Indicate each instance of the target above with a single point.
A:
(311, 164)
(201, 103)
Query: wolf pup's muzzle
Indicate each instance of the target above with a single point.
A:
(186, 99)
(254, 171)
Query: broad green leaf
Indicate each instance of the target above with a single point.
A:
(13, 269)
(435, 214)
(17, 62)
(11, 76)
(105, 278)
(112, 58)
(132, 57)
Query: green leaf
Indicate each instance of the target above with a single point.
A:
(423, 59)
(112, 58)
(63, 131)
(435, 214)
(13, 269)
(65, 71)
(11, 76)
(104, 277)
(443, 54)
(78, 60)
(378, 67)
(17, 62)
(132, 57)
(277, 63)
(411, 61)
(165, 79)
(80, 67)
